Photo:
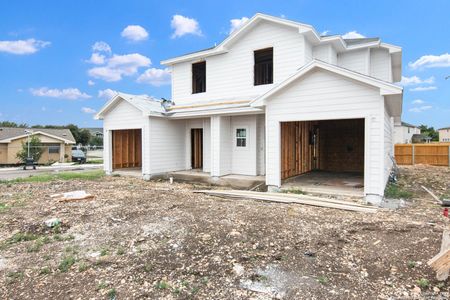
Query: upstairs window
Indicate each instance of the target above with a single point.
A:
(263, 68)
(199, 77)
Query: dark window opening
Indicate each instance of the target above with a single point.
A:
(199, 77)
(53, 149)
(263, 66)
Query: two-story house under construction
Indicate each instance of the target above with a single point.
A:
(274, 99)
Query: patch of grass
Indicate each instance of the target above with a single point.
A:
(36, 247)
(14, 276)
(322, 279)
(66, 263)
(102, 285)
(45, 271)
(411, 264)
(103, 252)
(162, 285)
(148, 268)
(83, 266)
(112, 293)
(88, 175)
(423, 283)
(95, 161)
(4, 207)
(22, 237)
(115, 175)
(293, 191)
(120, 251)
(393, 191)
(443, 197)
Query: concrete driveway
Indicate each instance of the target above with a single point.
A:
(18, 172)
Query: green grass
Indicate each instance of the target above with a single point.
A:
(95, 161)
(3, 207)
(293, 191)
(423, 283)
(162, 285)
(45, 271)
(411, 264)
(443, 197)
(112, 294)
(66, 263)
(38, 244)
(322, 279)
(393, 191)
(22, 237)
(46, 177)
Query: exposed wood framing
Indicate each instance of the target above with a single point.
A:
(441, 262)
(197, 148)
(127, 148)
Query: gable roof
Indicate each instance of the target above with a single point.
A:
(8, 134)
(146, 104)
(386, 88)
(338, 41)
(444, 128)
(408, 125)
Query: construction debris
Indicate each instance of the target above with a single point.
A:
(52, 222)
(441, 262)
(72, 196)
(292, 198)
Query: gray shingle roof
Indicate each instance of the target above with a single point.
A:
(12, 132)
(351, 42)
(408, 125)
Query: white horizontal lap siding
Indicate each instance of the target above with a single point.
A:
(322, 95)
(388, 145)
(356, 60)
(380, 64)
(244, 159)
(325, 53)
(125, 116)
(167, 145)
(230, 75)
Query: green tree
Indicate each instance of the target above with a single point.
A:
(84, 137)
(12, 124)
(36, 149)
(96, 141)
(429, 131)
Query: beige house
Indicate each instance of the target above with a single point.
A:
(57, 144)
(444, 135)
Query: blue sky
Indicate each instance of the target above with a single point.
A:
(59, 60)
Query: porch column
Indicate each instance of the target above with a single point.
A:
(107, 151)
(220, 146)
(62, 152)
(273, 153)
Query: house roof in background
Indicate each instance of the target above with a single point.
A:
(94, 130)
(11, 133)
(409, 125)
(444, 128)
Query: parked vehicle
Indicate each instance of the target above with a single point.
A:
(78, 156)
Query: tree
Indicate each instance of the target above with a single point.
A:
(36, 150)
(96, 141)
(12, 124)
(429, 131)
(84, 137)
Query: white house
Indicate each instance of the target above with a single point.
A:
(403, 132)
(444, 135)
(275, 99)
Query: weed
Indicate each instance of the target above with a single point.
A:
(102, 285)
(112, 294)
(120, 251)
(423, 283)
(205, 280)
(3, 207)
(393, 191)
(38, 244)
(115, 175)
(148, 268)
(322, 279)
(411, 264)
(45, 271)
(14, 276)
(294, 191)
(103, 252)
(56, 229)
(22, 237)
(177, 291)
(66, 263)
(83, 267)
(162, 285)
(195, 289)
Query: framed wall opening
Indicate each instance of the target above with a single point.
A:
(127, 149)
(197, 148)
(325, 153)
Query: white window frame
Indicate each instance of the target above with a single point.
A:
(235, 138)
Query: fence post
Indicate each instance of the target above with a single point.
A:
(413, 154)
(449, 156)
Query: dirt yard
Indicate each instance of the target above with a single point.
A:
(153, 240)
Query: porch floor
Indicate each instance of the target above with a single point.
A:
(232, 180)
(329, 183)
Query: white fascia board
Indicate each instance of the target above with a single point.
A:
(105, 108)
(210, 112)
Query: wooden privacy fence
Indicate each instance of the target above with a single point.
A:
(428, 154)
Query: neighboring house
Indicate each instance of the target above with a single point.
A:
(403, 133)
(97, 132)
(57, 144)
(444, 135)
(275, 99)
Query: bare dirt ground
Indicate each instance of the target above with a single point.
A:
(153, 240)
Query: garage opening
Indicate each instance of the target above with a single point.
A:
(126, 149)
(197, 148)
(320, 154)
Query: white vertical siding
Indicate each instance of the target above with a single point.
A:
(380, 64)
(230, 75)
(322, 95)
(388, 143)
(167, 145)
(244, 159)
(356, 60)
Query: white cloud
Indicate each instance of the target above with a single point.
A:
(97, 59)
(101, 47)
(135, 33)
(91, 83)
(423, 88)
(353, 35)
(418, 101)
(120, 65)
(236, 23)
(69, 93)
(88, 110)
(431, 61)
(415, 80)
(184, 25)
(156, 77)
(22, 47)
(107, 93)
(325, 32)
(420, 108)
